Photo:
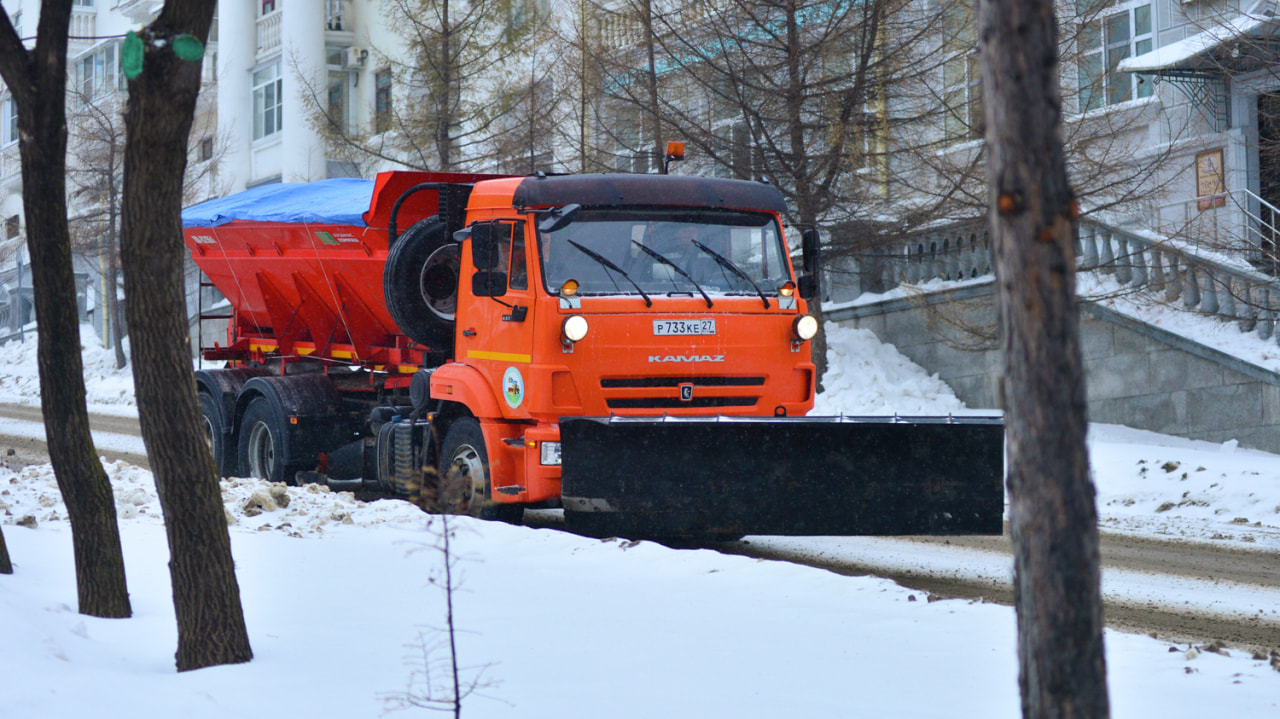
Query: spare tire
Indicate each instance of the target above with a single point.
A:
(420, 283)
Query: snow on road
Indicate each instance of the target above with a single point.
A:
(340, 594)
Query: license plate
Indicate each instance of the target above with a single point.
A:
(684, 327)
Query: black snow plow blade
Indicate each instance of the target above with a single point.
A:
(709, 477)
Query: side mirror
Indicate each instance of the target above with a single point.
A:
(809, 283)
(488, 240)
(481, 241)
(558, 219)
(489, 284)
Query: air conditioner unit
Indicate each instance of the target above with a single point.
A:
(353, 58)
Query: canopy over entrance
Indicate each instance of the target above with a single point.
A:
(1243, 44)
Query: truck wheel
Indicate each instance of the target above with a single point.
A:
(214, 423)
(420, 283)
(464, 475)
(262, 453)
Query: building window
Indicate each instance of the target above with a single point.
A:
(12, 226)
(1106, 38)
(9, 117)
(961, 80)
(82, 3)
(339, 90)
(334, 15)
(97, 73)
(206, 149)
(268, 88)
(268, 7)
(962, 96)
(382, 100)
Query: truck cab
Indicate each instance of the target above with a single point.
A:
(618, 295)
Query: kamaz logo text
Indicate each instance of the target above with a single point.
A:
(686, 358)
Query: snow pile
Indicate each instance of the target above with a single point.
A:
(31, 498)
(108, 390)
(867, 377)
(1152, 484)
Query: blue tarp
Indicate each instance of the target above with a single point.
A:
(330, 202)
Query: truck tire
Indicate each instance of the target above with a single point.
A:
(262, 446)
(420, 283)
(464, 475)
(214, 425)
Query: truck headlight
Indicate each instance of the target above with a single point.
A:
(550, 453)
(574, 328)
(805, 327)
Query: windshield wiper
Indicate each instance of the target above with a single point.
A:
(728, 264)
(609, 265)
(658, 256)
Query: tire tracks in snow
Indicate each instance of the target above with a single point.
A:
(22, 437)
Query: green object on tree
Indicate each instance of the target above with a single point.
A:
(131, 55)
(188, 47)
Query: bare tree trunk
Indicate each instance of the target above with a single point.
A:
(6, 567)
(114, 310)
(1062, 670)
(37, 81)
(444, 116)
(158, 118)
(652, 115)
(113, 261)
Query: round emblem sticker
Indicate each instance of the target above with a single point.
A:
(513, 387)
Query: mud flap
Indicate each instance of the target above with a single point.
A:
(700, 477)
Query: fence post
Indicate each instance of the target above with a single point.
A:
(1266, 317)
(1139, 265)
(1089, 259)
(1227, 310)
(1191, 288)
(1209, 298)
(1124, 271)
(1172, 280)
(1108, 256)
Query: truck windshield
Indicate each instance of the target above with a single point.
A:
(628, 238)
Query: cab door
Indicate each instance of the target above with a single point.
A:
(497, 338)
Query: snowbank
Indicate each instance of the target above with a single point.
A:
(108, 390)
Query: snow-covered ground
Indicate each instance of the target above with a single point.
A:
(109, 390)
(341, 596)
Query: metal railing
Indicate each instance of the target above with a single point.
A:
(1238, 222)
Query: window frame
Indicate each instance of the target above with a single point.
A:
(97, 72)
(961, 79)
(8, 121)
(267, 106)
(338, 75)
(1099, 84)
(382, 98)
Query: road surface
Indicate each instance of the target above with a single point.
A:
(1160, 559)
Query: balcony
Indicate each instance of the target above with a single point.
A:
(269, 34)
(84, 25)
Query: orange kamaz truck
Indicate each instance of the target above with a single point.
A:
(631, 348)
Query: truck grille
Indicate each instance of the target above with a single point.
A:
(631, 382)
(676, 402)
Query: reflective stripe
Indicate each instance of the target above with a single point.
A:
(498, 356)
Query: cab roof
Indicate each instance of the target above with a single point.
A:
(605, 190)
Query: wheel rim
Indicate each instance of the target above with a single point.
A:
(438, 282)
(262, 451)
(208, 433)
(467, 469)
(208, 438)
